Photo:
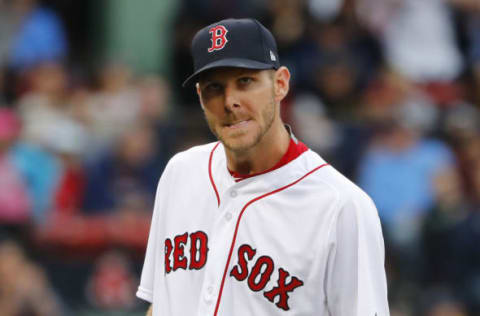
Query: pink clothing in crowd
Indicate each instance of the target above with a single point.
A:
(14, 200)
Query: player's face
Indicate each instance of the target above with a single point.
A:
(241, 105)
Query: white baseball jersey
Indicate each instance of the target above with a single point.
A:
(300, 240)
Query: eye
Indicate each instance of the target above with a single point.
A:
(212, 87)
(245, 80)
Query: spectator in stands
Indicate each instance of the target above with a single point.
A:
(325, 10)
(39, 35)
(450, 239)
(472, 16)
(68, 142)
(397, 170)
(467, 237)
(340, 58)
(462, 129)
(112, 108)
(418, 37)
(126, 178)
(313, 126)
(155, 97)
(33, 172)
(442, 302)
(24, 289)
(14, 195)
(400, 158)
(44, 104)
(112, 284)
(440, 245)
(289, 26)
(336, 80)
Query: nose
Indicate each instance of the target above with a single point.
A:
(232, 100)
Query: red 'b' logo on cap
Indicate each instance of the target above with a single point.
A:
(218, 39)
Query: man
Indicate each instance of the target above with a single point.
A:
(257, 224)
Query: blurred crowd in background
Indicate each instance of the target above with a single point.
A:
(91, 109)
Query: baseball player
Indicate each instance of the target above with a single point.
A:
(257, 223)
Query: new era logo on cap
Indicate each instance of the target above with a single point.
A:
(272, 56)
(242, 43)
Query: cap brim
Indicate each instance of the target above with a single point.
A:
(229, 62)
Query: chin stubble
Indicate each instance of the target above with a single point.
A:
(269, 116)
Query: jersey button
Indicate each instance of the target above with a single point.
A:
(208, 300)
(228, 216)
(233, 193)
(208, 295)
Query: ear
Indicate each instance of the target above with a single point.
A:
(281, 83)
(199, 93)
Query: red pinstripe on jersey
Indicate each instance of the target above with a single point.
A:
(210, 173)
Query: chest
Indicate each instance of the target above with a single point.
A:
(263, 245)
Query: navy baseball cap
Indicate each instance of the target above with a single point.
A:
(242, 43)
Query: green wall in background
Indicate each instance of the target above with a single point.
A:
(138, 32)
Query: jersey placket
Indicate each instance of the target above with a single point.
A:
(232, 197)
(232, 201)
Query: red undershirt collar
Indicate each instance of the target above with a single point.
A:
(295, 149)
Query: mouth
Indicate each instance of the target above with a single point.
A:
(236, 125)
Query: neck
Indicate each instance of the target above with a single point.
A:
(264, 155)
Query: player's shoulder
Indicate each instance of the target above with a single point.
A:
(328, 177)
(189, 165)
(192, 156)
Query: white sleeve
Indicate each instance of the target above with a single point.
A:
(145, 289)
(151, 266)
(356, 283)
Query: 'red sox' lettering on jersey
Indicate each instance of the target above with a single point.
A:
(175, 252)
(257, 280)
(190, 250)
